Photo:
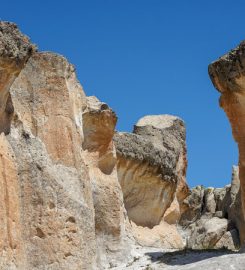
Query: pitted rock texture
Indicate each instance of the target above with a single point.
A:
(69, 198)
(56, 196)
(15, 47)
(227, 75)
(151, 170)
(157, 144)
(58, 176)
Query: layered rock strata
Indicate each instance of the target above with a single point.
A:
(227, 75)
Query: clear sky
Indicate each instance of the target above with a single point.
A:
(147, 57)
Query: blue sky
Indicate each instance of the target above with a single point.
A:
(147, 57)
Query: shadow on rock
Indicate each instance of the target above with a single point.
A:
(183, 257)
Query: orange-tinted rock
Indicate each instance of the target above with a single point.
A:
(227, 75)
(46, 136)
(12, 250)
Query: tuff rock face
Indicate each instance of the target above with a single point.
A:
(151, 170)
(227, 75)
(57, 165)
(111, 225)
(55, 192)
(77, 195)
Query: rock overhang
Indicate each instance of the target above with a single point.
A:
(228, 72)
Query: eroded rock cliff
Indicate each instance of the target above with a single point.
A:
(111, 223)
(227, 75)
(58, 173)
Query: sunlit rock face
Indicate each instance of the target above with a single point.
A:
(15, 50)
(45, 135)
(151, 170)
(75, 195)
(228, 76)
(61, 203)
(111, 225)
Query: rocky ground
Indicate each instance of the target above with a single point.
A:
(156, 259)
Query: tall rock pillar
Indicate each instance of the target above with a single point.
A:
(228, 76)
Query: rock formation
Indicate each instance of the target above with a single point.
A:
(227, 75)
(100, 156)
(151, 171)
(60, 195)
(77, 195)
(210, 217)
(151, 165)
(162, 210)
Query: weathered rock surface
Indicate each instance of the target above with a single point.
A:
(207, 232)
(56, 199)
(61, 205)
(163, 212)
(111, 226)
(229, 240)
(209, 216)
(74, 195)
(151, 171)
(227, 75)
(15, 49)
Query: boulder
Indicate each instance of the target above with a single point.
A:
(151, 165)
(206, 232)
(230, 240)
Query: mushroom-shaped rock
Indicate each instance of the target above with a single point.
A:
(151, 169)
